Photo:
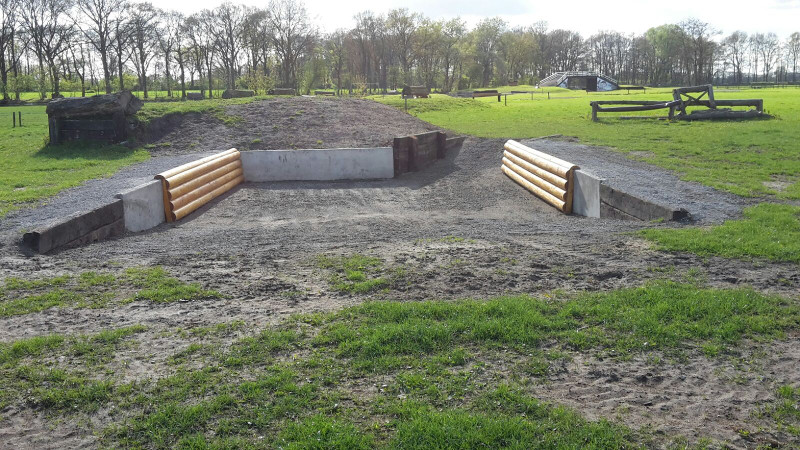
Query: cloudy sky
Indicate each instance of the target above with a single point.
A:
(586, 16)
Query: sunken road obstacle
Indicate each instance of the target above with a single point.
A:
(176, 193)
(683, 98)
(570, 189)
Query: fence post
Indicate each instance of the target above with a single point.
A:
(20, 118)
(14, 119)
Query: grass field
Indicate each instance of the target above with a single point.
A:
(435, 374)
(33, 170)
(750, 158)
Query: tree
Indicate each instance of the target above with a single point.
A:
(699, 49)
(49, 33)
(793, 49)
(8, 23)
(100, 17)
(402, 29)
(485, 46)
(143, 34)
(168, 34)
(201, 35)
(229, 27)
(736, 46)
(769, 50)
(291, 35)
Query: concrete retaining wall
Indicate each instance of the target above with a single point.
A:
(318, 165)
(78, 229)
(143, 206)
(586, 196)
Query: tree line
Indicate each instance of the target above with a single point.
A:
(109, 45)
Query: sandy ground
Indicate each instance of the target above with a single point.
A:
(261, 240)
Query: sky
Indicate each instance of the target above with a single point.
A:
(586, 16)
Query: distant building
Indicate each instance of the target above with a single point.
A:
(584, 81)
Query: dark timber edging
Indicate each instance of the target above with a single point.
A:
(82, 228)
(616, 204)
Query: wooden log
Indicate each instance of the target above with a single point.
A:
(544, 195)
(555, 180)
(549, 163)
(183, 212)
(189, 175)
(204, 179)
(167, 206)
(193, 164)
(179, 202)
(556, 192)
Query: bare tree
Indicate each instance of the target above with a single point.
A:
(8, 24)
(229, 22)
(292, 35)
(793, 49)
(143, 22)
(202, 37)
(769, 49)
(168, 33)
(736, 50)
(49, 34)
(100, 17)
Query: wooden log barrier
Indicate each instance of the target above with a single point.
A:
(546, 176)
(194, 184)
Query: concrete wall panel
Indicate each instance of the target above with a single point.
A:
(586, 196)
(318, 165)
(143, 206)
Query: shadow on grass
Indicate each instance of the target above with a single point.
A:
(85, 150)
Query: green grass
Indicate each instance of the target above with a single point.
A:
(216, 107)
(661, 315)
(32, 170)
(357, 274)
(96, 290)
(434, 374)
(750, 158)
(158, 287)
(769, 231)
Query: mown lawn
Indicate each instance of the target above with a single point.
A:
(749, 158)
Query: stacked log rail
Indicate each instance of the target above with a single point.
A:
(190, 186)
(546, 176)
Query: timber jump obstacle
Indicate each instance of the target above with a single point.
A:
(683, 98)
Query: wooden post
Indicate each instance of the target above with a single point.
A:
(441, 145)
(594, 112)
(54, 130)
(506, 99)
(548, 95)
(13, 119)
(20, 118)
